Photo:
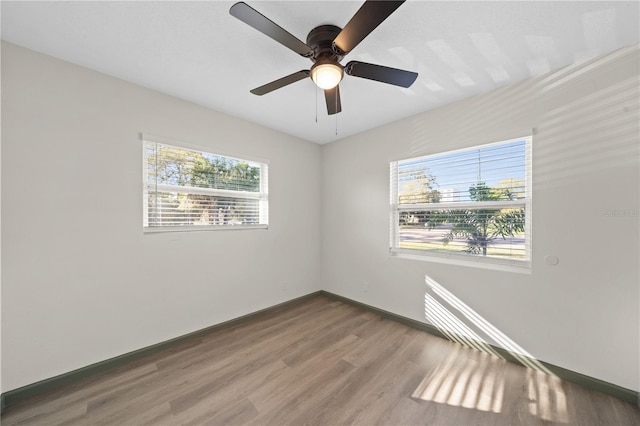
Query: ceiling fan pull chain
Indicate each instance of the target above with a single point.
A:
(317, 103)
(337, 94)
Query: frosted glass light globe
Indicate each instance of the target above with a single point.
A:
(326, 76)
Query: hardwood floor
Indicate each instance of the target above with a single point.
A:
(323, 362)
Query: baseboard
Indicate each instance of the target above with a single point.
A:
(588, 382)
(13, 397)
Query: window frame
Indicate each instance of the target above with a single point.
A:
(491, 262)
(262, 195)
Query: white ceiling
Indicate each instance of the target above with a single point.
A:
(198, 52)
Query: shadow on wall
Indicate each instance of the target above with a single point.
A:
(582, 122)
(473, 376)
(583, 132)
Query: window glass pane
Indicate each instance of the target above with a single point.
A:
(485, 232)
(184, 167)
(470, 202)
(492, 172)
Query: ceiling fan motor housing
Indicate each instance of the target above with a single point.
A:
(320, 39)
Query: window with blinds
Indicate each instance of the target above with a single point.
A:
(185, 189)
(473, 202)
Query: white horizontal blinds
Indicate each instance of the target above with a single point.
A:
(470, 201)
(185, 187)
(487, 173)
(179, 208)
(393, 204)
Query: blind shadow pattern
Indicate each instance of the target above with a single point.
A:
(473, 375)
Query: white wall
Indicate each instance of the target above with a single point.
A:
(80, 281)
(1, 237)
(582, 314)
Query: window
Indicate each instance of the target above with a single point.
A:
(185, 189)
(469, 204)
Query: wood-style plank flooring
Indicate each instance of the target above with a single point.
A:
(322, 362)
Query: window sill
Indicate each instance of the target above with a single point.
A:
(496, 264)
(157, 230)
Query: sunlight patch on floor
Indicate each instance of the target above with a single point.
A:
(547, 399)
(471, 379)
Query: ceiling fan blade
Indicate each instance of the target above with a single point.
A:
(332, 96)
(380, 73)
(281, 82)
(255, 19)
(367, 18)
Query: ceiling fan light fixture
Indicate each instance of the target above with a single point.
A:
(326, 46)
(327, 75)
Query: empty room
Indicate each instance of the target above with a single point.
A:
(320, 212)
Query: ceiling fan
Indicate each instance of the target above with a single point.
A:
(326, 46)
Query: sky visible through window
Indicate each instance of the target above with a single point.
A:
(454, 172)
